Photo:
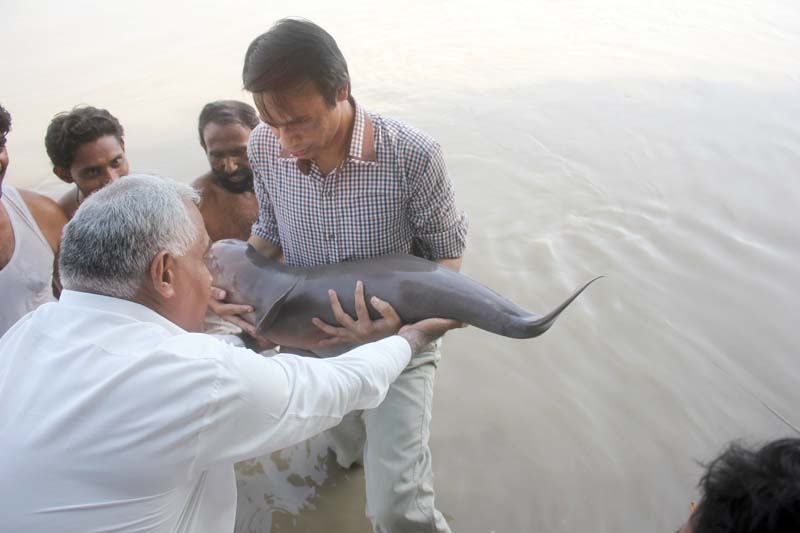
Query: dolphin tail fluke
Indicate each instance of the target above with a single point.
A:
(538, 326)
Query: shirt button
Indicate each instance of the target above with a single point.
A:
(330, 236)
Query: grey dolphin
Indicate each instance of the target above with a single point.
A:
(285, 298)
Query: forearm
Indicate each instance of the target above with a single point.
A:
(322, 391)
(264, 247)
(265, 404)
(453, 264)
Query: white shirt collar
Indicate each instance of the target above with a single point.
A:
(118, 306)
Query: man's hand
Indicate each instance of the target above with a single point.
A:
(230, 312)
(424, 332)
(363, 329)
(233, 313)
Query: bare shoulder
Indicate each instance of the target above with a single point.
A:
(206, 186)
(48, 215)
(69, 203)
(204, 182)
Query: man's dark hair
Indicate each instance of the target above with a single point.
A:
(749, 491)
(5, 121)
(224, 112)
(68, 131)
(293, 52)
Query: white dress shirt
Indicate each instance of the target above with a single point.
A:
(112, 418)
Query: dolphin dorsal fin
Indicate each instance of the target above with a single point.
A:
(275, 307)
(280, 286)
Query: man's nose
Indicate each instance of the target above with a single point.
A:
(230, 165)
(112, 175)
(286, 133)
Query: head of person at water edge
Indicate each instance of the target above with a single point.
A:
(300, 85)
(5, 128)
(750, 491)
(224, 128)
(87, 148)
(141, 239)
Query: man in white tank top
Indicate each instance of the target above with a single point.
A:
(30, 232)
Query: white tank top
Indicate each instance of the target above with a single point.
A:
(26, 281)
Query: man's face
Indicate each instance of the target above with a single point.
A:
(3, 160)
(192, 278)
(302, 120)
(226, 148)
(96, 164)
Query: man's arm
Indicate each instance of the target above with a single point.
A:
(438, 226)
(264, 404)
(453, 264)
(265, 248)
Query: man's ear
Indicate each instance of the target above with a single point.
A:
(63, 174)
(343, 92)
(162, 274)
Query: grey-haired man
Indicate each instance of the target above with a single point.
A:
(114, 415)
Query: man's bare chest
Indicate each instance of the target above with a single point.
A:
(230, 216)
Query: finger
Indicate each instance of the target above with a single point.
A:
(361, 305)
(327, 328)
(343, 318)
(217, 294)
(386, 311)
(244, 325)
(330, 341)
(224, 310)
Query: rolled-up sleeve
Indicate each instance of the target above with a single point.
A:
(266, 225)
(438, 226)
(264, 404)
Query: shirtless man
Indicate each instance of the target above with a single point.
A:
(228, 204)
(30, 232)
(87, 148)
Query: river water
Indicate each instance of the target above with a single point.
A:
(656, 143)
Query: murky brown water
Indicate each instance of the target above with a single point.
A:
(659, 146)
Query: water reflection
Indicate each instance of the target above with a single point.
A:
(300, 488)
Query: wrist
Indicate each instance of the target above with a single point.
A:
(415, 339)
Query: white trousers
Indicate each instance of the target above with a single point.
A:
(392, 442)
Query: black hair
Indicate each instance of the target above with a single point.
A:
(5, 121)
(68, 131)
(226, 112)
(293, 52)
(749, 491)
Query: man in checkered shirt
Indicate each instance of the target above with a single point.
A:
(337, 183)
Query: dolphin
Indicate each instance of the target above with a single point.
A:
(285, 298)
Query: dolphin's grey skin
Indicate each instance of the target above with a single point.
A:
(285, 298)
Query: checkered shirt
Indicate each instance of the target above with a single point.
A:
(391, 191)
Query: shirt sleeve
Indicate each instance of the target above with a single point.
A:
(263, 404)
(266, 225)
(438, 227)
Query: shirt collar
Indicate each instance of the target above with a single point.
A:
(118, 306)
(362, 141)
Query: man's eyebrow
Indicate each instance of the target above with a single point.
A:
(99, 167)
(275, 124)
